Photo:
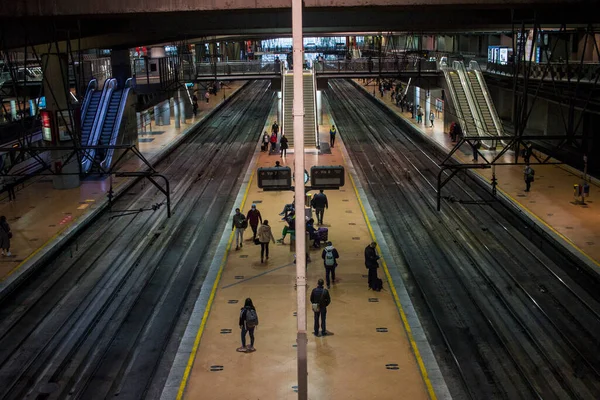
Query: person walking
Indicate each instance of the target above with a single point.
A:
(254, 218)
(332, 133)
(248, 322)
(475, 145)
(320, 300)
(527, 152)
(431, 118)
(528, 175)
(238, 224)
(265, 235)
(319, 203)
(371, 263)
(330, 256)
(265, 141)
(283, 145)
(273, 142)
(5, 236)
(207, 96)
(275, 128)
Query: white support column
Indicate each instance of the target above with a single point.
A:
(175, 102)
(157, 119)
(298, 113)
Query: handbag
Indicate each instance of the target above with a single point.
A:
(316, 307)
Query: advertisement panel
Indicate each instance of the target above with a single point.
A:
(46, 125)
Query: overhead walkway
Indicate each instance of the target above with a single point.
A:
(310, 109)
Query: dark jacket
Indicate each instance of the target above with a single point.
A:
(243, 315)
(371, 257)
(283, 142)
(336, 255)
(319, 201)
(315, 296)
(4, 236)
(254, 217)
(238, 219)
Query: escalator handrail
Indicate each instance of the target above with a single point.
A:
(473, 105)
(461, 118)
(91, 88)
(314, 98)
(117, 125)
(109, 87)
(473, 65)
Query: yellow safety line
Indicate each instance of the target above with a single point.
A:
(192, 358)
(47, 242)
(411, 339)
(550, 227)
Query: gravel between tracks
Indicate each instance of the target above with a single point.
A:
(514, 321)
(96, 324)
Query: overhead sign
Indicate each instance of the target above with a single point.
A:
(327, 177)
(275, 178)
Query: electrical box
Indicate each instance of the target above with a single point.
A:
(275, 178)
(327, 177)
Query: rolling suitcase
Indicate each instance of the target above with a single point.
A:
(323, 234)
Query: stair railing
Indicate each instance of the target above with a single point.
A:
(461, 118)
(92, 86)
(314, 98)
(109, 87)
(117, 126)
(472, 102)
(474, 66)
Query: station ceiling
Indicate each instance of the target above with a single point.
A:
(130, 30)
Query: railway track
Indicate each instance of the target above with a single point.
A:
(514, 320)
(97, 324)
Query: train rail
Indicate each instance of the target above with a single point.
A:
(100, 323)
(516, 321)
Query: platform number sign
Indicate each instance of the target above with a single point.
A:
(274, 178)
(327, 177)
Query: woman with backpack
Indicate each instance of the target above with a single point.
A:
(248, 321)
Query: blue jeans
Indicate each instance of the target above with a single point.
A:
(251, 332)
(323, 315)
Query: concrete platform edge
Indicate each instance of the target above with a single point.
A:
(55, 244)
(180, 369)
(529, 216)
(434, 374)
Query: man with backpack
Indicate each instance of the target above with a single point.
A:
(319, 203)
(239, 223)
(320, 299)
(371, 263)
(529, 174)
(330, 256)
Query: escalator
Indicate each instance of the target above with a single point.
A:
(89, 110)
(111, 126)
(490, 120)
(467, 119)
(310, 112)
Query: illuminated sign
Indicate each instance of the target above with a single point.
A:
(46, 125)
(327, 177)
(275, 178)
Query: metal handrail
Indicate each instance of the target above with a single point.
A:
(314, 96)
(473, 105)
(92, 86)
(116, 127)
(474, 65)
(109, 87)
(461, 118)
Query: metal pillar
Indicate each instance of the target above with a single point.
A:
(175, 102)
(157, 119)
(298, 113)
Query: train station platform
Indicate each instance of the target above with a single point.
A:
(550, 202)
(372, 351)
(42, 217)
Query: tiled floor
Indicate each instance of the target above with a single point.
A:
(550, 199)
(351, 364)
(41, 213)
